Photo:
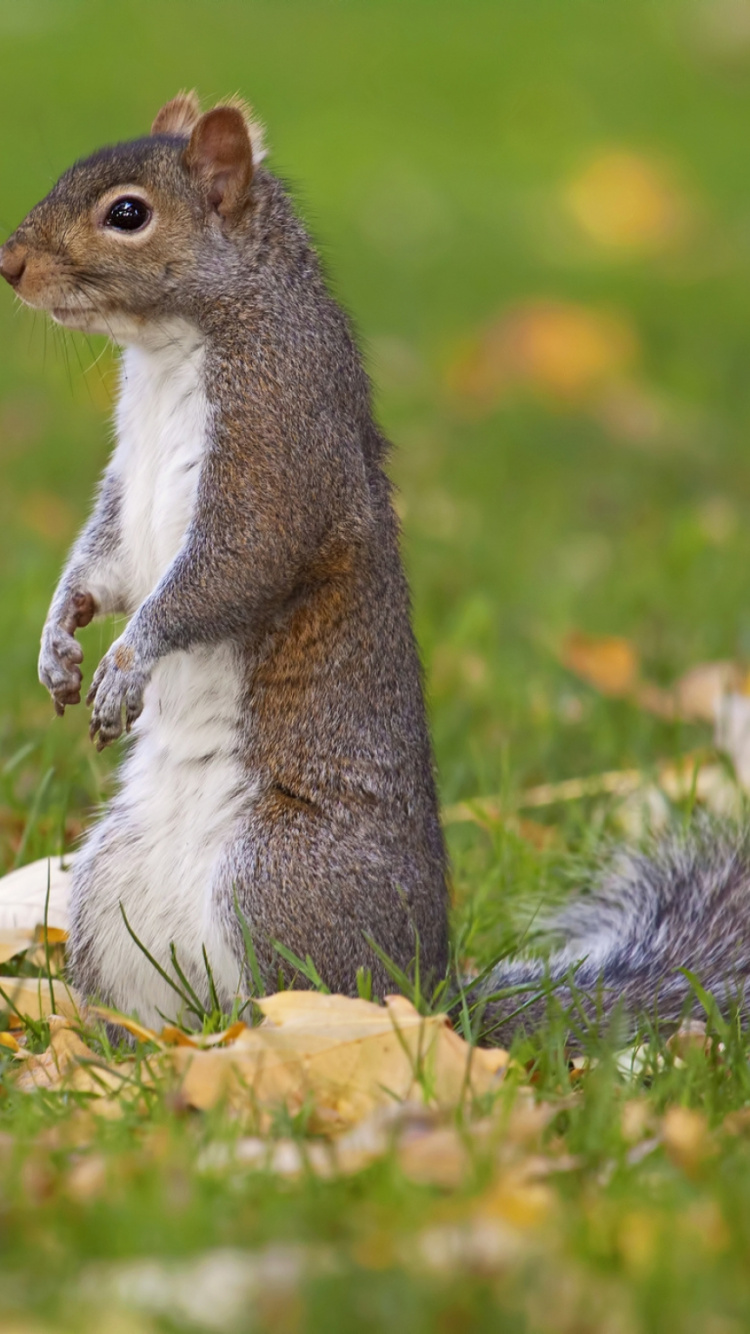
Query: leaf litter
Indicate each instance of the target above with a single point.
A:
(361, 1084)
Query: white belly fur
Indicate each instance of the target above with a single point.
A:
(157, 849)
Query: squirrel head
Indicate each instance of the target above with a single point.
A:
(125, 235)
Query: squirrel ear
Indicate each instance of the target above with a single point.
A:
(220, 154)
(178, 116)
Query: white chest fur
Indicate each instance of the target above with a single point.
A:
(184, 787)
(162, 428)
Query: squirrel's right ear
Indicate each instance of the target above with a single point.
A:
(178, 116)
(220, 155)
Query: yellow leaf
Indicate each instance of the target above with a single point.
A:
(131, 1026)
(52, 1068)
(686, 1138)
(174, 1037)
(636, 1119)
(625, 202)
(440, 1158)
(519, 1198)
(68, 1063)
(608, 662)
(562, 350)
(343, 1056)
(31, 997)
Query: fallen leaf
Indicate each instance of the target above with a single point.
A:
(690, 1036)
(59, 1063)
(610, 663)
(697, 695)
(23, 894)
(636, 1119)
(36, 998)
(132, 1026)
(68, 1063)
(342, 1057)
(561, 350)
(87, 1178)
(686, 1138)
(13, 942)
(441, 1158)
(627, 202)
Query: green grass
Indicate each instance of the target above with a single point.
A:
(430, 145)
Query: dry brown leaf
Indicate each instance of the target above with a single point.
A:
(68, 1063)
(610, 663)
(59, 1063)
(130, 1025)
(32, 998)
(343, 1056)
(626, 202)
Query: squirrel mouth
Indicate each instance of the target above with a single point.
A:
(72, 314)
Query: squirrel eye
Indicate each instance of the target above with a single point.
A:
(128, 215)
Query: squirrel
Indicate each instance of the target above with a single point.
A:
(279, 777)
(280, 769)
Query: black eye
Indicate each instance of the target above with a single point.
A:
(128, 215)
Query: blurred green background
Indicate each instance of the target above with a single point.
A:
(538, 215)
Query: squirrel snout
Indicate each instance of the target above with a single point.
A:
(13, 263)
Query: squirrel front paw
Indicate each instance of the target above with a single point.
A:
(117, 688)
(61, 656)
(59, 667)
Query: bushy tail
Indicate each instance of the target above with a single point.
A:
(683, 906)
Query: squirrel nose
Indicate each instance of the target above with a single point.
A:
(12, 263)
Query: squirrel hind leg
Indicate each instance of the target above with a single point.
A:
(319, 891)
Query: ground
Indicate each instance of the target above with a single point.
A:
(539, 218)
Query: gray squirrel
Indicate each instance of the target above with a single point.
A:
(280, 772)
